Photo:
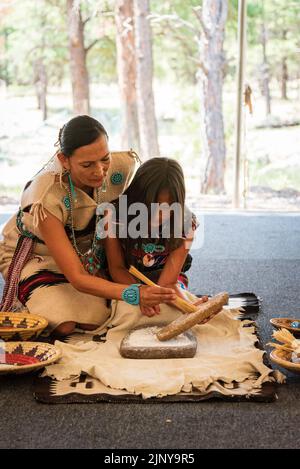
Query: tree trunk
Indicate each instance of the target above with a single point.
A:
(213, 19)
(284, 71)
(79, 73)
(127, 73)
(6, 76)
(265, 69)
(144, 68)
(41, 85)
(284, 78)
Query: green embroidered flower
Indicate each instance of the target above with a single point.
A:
(159, 248)
(117, 178)
(149, 248)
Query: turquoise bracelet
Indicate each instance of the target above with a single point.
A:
(131, 294)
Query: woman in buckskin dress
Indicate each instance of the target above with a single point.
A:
(51, 256)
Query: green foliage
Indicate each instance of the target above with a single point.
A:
(175, 33)
(275, 178)
(101, 61)
(100, 31)
(41, 36)
(282, 22)
(37, 30)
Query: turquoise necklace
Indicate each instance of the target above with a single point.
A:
(93, 259)
(150, 248)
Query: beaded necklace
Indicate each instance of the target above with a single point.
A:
(92, 259)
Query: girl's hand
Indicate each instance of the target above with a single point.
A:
(152, 296)
(180, 292)
(203, 299)
(150, 310)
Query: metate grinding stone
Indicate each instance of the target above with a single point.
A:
(142, 343)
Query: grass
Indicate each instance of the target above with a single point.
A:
(273, 154)
(13, 192)
(275, 177)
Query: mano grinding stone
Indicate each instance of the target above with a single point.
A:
(204, 313)
(142, 343)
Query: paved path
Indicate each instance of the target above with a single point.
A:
(250, 252)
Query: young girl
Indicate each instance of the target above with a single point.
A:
(162, 259)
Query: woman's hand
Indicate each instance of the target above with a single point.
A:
(150, 310)
(152, 296)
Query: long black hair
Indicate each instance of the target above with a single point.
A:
(151, 178)
(78, 132)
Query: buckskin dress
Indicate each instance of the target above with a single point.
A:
(42, 287)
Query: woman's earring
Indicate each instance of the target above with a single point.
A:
(72, 187)
(60, 175)
(103, 188)
(63, 171)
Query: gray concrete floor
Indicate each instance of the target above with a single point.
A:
(251, 252)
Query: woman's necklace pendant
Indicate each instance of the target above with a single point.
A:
(90, 262)
(148, 260)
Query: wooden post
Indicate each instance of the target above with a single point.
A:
(239, 108)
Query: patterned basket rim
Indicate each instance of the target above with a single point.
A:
(28, 345)
(43, 323)
(276, 357)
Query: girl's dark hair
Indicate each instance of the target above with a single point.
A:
(79, 131)
(151, 178)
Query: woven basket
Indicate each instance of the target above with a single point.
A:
(284, 358)
(22, 357)
(285, 323)
(21, 325)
